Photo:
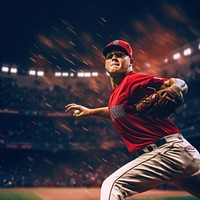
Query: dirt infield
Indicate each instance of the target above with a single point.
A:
(86, 193)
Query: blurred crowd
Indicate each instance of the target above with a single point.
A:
(57, 132)
(67, 151)
(39, 168)
(35, 168)
(53, 98)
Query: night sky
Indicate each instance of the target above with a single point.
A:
(64, 35)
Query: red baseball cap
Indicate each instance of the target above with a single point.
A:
(118, 45)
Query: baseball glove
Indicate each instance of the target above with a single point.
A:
(160, 104)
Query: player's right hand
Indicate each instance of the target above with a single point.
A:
(78, 110)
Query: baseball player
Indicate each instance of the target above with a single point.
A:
(139, 108)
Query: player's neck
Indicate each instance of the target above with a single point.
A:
(116, 79)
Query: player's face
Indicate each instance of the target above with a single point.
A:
(117, 63)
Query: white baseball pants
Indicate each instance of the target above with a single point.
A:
(176, 162)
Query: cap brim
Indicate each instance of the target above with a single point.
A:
(113, 48)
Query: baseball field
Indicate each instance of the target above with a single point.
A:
(84, 194)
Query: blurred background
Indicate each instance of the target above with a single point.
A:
(51, 55)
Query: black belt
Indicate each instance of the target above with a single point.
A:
(151, 147)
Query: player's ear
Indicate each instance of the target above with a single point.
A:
(131, 62)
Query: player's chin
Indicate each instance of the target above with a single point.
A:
(115, 74)
(114, 70)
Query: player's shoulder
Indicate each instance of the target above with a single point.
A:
(136, 75)
(145, 79)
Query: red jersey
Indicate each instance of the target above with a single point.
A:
(137, 131)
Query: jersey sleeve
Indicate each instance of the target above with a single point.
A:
(142, 85)
(139, 81)
(156, 82)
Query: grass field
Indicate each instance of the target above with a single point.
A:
(18, 196)
(84, 194)
(32, 196)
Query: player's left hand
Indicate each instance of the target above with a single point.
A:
(161, 103)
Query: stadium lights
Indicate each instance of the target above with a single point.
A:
(58, 74)
(65, 74)
(187, 52)
(13, 70)
(176, 56)
(83, 74)
(95, 74)
(71, 74)
(87, 74)
(32, 72)
(40, 73)
(147, 64)
(80, 74)
(4, 69)
(166, 60)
